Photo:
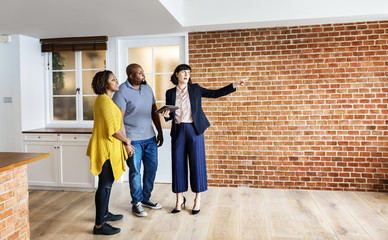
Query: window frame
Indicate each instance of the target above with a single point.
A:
(79, 121)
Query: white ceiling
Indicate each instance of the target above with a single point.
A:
(114, 18)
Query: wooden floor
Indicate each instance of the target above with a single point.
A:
(226, 213)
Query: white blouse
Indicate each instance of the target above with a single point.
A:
(183, 114)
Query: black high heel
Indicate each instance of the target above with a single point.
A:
(183, 205)
(195, 211)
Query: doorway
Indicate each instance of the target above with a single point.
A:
(158, 56)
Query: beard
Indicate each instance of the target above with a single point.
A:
(144, 82)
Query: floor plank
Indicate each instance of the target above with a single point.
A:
(367, 217)
(283, 224)
(253, 221)
(309, 217)
(226, 213)
(342, 223)
(378, 201)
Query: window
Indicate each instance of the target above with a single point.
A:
(158, 63)
(71, 97)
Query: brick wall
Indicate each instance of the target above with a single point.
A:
(313, 115)
(14, 222)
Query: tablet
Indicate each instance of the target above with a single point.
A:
(172, 108)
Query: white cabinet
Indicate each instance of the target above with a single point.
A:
(44, 171)
(67, 168)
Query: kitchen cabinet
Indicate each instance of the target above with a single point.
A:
(67, 168)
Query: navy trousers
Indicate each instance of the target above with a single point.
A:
(188, 148)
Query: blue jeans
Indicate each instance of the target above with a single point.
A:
(146, 150)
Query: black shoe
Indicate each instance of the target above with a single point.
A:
(175, 211)
(195, 211)
(138, 210)
(105, 229)
(151, 204)
(113, 217)
(183, 205)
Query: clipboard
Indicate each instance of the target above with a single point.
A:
(172, 108)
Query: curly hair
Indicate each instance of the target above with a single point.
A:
(179, 68)
(100, 82)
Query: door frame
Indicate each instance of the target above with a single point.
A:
(121, 44)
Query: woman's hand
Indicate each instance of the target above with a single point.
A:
(130, 150)
(128, 147)
(166, 113)
(127, 142)
(240, 82)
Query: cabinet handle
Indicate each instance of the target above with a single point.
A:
(75, 137)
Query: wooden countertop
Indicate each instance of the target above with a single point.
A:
(61, 130)
(10, 160)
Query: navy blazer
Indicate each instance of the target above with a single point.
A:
(196, 92)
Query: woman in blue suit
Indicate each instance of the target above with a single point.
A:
(188, 125)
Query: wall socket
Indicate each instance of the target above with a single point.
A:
(7, 99)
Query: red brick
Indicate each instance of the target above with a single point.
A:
(7, 231)
(308, 104)
(5, 214)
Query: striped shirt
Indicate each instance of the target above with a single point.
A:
(183, 114)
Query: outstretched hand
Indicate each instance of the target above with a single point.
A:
(240, 82)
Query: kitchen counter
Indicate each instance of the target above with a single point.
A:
(61, 130)
(11, 160)
(14, 211)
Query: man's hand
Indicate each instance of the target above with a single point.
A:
(159, 139)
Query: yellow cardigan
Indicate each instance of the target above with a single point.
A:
(102, 145)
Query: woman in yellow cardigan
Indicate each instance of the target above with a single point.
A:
(108, 149)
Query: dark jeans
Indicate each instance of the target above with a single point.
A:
(105, 181)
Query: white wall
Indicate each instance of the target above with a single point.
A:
(10, 120)
(21, 78)
(32, 84)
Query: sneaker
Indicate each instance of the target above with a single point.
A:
(113, 217)
(105, 229)
(151, 204)
(138, 210)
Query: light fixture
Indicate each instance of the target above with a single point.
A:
(5, 38)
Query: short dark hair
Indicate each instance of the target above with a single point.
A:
(179, 68)
(100, 82)
(131, 68)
